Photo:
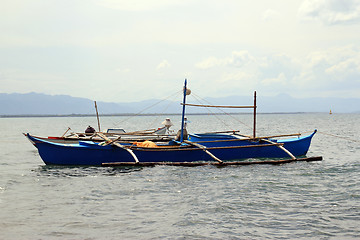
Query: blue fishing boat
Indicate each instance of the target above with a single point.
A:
(92, 153)
(224, 148)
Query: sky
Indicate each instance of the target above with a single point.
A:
(125, 51)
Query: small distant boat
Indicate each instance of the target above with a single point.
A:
(219, 148)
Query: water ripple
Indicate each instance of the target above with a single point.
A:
(319, 200)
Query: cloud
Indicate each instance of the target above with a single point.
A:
(209, 63)
(24, 81)
(163, 64)
(280, 79)
(330, 12)
(123, 70)
(342, 67)
(334, 56)
(136, 5)
(270, 14)
(333, 69)
(239, 76)
(321, 71)
(347, 66)
(238, 59)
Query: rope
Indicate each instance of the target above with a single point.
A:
(166, 108)
(220, 109)
(337, 136)
(137, 114)
(211, 112)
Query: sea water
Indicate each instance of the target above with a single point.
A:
(303, 200)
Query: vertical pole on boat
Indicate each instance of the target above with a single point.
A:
(254, 129)
(183, 114)
(97, 116)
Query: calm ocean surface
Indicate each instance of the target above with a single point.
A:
(304, 200)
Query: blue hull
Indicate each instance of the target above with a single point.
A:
(89, 153)
(298, 146)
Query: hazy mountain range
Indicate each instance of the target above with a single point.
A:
(42, 104)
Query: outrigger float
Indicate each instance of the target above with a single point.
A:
(217, 148)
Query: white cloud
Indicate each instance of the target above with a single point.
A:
(137, 5)
(280, 79)
(123, 70)
(163, 64)
(345, 59)
(347, 66)
(209, 63)
(330, 12)
(252, 45)
(333, 68)
(239, 76)
(270, 14)
(238, 59)
(234, 83)
(22, 81)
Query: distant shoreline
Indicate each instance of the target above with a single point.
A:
(140, 115)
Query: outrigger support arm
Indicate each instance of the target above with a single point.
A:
(66, 132)
(268, 141)
(282, 148)
(118, 145)
(205, 150)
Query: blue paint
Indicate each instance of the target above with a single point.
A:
(90, 153)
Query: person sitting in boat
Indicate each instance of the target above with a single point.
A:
(166, 129)
(167, 123)
(178, 135)
(185, 134)
(89, 130)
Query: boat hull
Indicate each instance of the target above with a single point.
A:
(298, 146)
(90, 153)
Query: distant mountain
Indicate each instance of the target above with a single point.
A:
(42, 104)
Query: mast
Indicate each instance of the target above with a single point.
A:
(183, 114)
(97, 116)
(254, 128)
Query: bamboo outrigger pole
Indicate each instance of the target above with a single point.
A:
(204, 149)
(195, 164)
(109, 141)
(216, 106)
(97, 116)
